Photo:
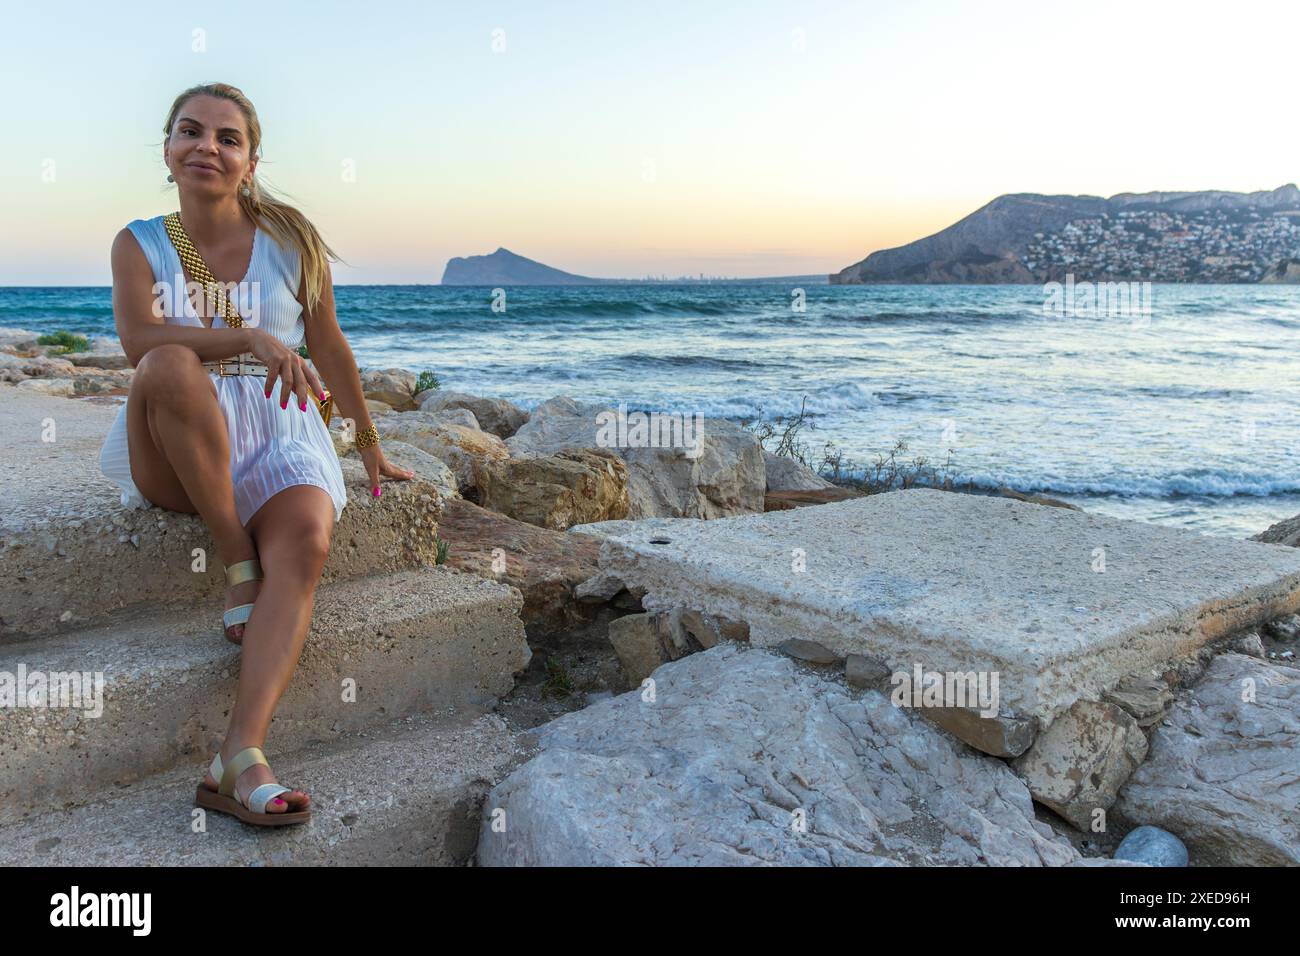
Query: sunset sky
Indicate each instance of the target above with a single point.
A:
(620, 139)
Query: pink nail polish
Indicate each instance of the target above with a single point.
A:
(303, 406)
(285, 403)
(268, 394)
(376, 492)
(278, 800)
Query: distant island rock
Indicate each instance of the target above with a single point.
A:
(1209, 236)
(503, 267)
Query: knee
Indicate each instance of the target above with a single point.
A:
(166, 366)
(311, 548)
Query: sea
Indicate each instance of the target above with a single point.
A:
(1182, 410)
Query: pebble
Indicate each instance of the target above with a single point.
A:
(1153, 846)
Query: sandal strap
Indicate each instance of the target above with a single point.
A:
(237, 615)
(262, 795)
(241, 572)
(238, 764)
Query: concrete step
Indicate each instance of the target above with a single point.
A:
(409, 792)
(410, 641)
(70, 554)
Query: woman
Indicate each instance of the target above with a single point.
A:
(264, 477)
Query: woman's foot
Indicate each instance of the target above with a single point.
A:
(254, 777)
(245, 593)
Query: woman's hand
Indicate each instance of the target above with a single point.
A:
(376, 464)
(288, 366)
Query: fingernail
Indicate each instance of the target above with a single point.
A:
(303, 406)
(285, 403)
(268, 394)
(322, 396)
(376, 491)
(278, 800)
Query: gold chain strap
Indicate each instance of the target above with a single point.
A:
(199, 269)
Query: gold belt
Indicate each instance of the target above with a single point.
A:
(245, 364)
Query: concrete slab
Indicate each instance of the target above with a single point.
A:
(381, 648)
(70, 553)
(1059, 604)
(408, 793)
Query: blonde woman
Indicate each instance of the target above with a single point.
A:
(240, 443)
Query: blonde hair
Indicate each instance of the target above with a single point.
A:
(285, 223)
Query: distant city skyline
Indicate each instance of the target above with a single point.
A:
(755, 139)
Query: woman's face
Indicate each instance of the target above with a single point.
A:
(208, 149)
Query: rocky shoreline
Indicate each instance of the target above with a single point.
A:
(511, 485)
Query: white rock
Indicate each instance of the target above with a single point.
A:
(495, 415)
(786, 474)
(1224, 767)
(739, 749)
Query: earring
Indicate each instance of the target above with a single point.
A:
(171, 178)
(246, 191)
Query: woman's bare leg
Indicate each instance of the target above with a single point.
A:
(292, 531)
(180, 452)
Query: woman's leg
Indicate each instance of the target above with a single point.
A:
(292, 531)
(180, 452)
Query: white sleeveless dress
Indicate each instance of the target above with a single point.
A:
(271, 448)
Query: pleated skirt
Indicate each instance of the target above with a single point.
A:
(271, 448)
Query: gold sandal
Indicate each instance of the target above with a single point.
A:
(240, 572)
(226, 799)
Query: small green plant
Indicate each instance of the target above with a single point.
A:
(64, 342)
(558, 682)
(442, 547)
(426, 381)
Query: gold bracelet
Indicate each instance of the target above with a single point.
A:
(368, 437)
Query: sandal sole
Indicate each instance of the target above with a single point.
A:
(205, 798)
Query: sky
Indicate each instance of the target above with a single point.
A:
(621, 139)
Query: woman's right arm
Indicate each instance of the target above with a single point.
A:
(141, 330)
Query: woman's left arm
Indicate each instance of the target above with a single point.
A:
(335, 364)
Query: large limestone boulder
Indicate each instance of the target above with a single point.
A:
(495, 415)
(1224, 769)
(18, 340)
(393, 386)
(17, 368)
(712, 475)
(732, 476)
(1077, 765)
(546, 566)
(49, 386)
(424, 465)
(92, 380)
(466, 451)
(786, 474)
(576, 486)
(742, 757)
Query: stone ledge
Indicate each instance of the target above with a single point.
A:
(412, 642)
(407, 793)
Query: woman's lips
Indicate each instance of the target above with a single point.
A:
(204, 169)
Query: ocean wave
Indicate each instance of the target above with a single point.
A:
(644, 361)
(1212, 484)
